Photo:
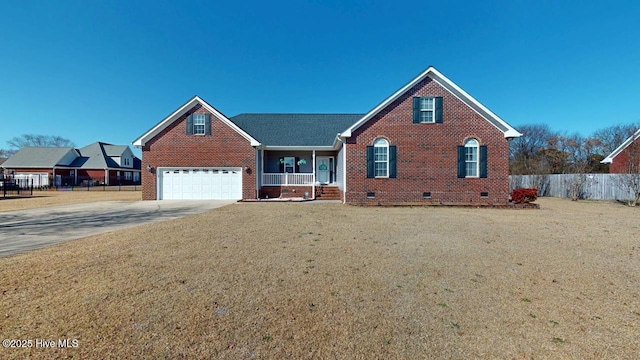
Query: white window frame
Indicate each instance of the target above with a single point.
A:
(425, 109)
(199, 123)
(381, 147)
(472, 157)
(289, 162)
(128, 176)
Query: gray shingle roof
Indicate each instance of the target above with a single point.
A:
(93, 156)
(32, 157)
(295, 129)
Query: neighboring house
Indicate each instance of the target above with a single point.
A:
(99, 163)
(621, 159)
(2, 160)
(428, 142)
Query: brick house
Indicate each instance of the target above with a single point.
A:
(430, 141)
(626, 158)
(98, 162)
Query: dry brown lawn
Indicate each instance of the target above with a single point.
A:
(302, 281)
(51, 198)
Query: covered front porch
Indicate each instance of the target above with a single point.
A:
(298, 173)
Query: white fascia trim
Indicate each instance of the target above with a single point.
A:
(618, 150)
(475, 105)
(139, 142)
(13, 167)
(304, 148)
(163, 168)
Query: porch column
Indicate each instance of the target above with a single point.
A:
(313, 188)
(106, 176)
(344, 172)
(261, 168)
(258, 171)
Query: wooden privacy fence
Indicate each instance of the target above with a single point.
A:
(593, 186)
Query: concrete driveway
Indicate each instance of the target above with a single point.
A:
(26, 230)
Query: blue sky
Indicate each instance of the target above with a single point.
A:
(110, 70)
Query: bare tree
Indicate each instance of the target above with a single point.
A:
(526, 153)
(573, 154)
(611, 137)
(18, 142)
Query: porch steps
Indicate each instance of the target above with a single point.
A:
(327, 193)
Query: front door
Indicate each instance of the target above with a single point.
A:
(323, 169)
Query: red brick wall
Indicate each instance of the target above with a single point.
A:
(95, 175)
(427, 154)
(43, 170)
(621, 163)
(172, 147)
(285, 191)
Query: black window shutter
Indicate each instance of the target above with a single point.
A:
(461, 165)
(483, 161)
(207, 124)
(438, 105)
(281, 163)
(370, 172)
(416, 110)
(295, 165)
(190, 124)
(392, 161)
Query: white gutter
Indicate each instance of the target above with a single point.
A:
(301, 148)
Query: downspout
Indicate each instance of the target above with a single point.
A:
(313, 187)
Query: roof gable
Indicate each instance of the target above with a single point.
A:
(142, 140)
(435, 75)
(115, 150)
(619, 149)
(295, 130)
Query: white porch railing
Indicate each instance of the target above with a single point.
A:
(270, 179)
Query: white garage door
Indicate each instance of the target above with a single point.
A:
(200, 183)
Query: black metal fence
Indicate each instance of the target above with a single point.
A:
(16, 187)
(22, 182)
(93, 184)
